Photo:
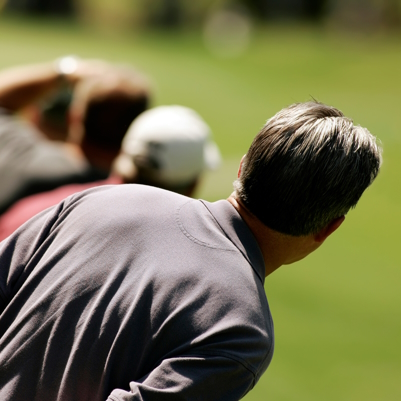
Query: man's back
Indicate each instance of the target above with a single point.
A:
(132, 288)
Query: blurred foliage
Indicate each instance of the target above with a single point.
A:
(347, 14)
(300, 9)
(43, 7)
(150, 13)
(365, 15)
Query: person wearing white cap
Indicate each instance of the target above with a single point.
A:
(167, 147)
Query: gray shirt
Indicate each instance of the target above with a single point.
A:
(130, 292)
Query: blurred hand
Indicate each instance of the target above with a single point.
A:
(76, 69)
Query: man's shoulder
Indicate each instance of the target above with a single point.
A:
(132, 193)
(124, 202)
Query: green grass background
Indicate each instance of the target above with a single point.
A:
(337, 313)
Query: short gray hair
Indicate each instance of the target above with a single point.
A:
(307, 166)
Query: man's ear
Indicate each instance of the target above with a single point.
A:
(329, 229)
(240, 166)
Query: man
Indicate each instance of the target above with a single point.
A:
(167, 147)
(131, 292)
(105, 100)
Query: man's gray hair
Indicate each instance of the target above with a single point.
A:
(307, 166)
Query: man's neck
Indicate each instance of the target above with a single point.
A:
(263, 235)
(277, 249)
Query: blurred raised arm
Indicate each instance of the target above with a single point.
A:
(21, 86)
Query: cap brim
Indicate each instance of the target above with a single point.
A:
(212, 155)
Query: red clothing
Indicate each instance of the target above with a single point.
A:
(28, 207)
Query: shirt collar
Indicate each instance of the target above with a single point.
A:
(239, 233)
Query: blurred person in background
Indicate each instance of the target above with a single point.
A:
(135, 293)
(167, 146)
(105, 100)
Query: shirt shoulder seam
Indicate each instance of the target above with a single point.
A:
(191, 237)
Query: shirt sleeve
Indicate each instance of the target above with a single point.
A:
(18, 249)
(191, 378)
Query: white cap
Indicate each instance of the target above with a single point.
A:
(172, 143)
